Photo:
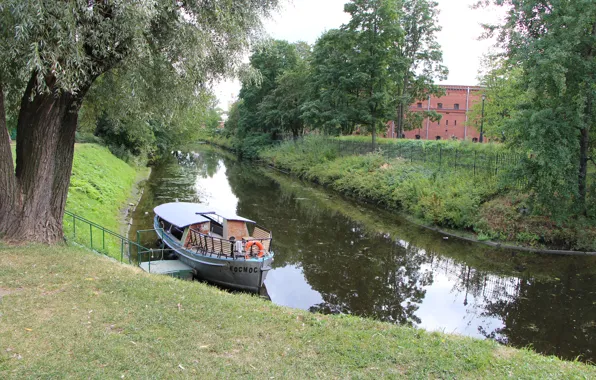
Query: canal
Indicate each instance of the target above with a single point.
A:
(334, 255)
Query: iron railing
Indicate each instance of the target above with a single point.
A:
(99, 239)
(212, 245)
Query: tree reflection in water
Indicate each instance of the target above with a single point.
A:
(365, 262)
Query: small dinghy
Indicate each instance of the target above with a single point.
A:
(221, 247)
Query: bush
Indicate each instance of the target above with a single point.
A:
(447, 198)
(88, 138)
(298, 156)
(252, 145)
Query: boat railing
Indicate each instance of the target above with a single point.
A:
(213, 245)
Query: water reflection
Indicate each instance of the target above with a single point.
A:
(337, 256)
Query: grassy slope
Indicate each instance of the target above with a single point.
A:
(100, 185)
(69, 313)
(450, 199)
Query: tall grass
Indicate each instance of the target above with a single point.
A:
(464, 195)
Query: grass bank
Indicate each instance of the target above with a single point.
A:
(452, 199)
(101, 187)
(79, 315)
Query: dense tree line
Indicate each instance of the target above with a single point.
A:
(358, 76)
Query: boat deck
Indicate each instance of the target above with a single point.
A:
(174, 268)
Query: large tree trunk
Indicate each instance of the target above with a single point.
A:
(374, 134)
(8, 185)
(33, 207)
(400, 120)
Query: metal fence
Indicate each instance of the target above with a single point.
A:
(451, 158)
(87, 233)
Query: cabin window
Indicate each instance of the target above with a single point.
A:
(440, 105)
(419, 105)
(456, 106)
(216, 228)
(164, 224)
(177, 232)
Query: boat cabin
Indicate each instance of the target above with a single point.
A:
(204, 228)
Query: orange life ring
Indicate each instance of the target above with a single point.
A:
(258, 244)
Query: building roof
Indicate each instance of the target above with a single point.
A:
(461, 87)
(184, 214)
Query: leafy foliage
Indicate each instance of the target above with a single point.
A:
(553, 44)
(355, 76)
(447, 198)
(418, 62)
(257, 112)
(503, 92)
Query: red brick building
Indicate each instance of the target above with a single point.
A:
(454, 107)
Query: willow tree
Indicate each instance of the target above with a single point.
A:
(53, 51)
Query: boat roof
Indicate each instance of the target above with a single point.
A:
(184, 214)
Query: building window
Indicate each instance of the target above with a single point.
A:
(440, 105)
(456, 106)
(419, 105)
(455, 122)
(446, 122)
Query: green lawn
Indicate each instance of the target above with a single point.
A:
(69, 313)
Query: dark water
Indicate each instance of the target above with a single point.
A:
(334, 255)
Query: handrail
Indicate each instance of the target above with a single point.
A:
(222, 247)
(141, 250)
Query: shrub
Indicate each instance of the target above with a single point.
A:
(252, 145)
(88, 138)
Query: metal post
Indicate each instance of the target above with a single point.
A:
(482, 119)
(475, 163)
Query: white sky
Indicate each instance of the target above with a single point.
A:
(306, 20)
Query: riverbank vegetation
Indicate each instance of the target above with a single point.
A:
(101, 188)
(540, 110)
(77, 314)
(457, 198)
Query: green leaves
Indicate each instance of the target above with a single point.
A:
(552, 91)
(273, 105)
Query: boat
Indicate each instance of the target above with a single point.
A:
(221, 247)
